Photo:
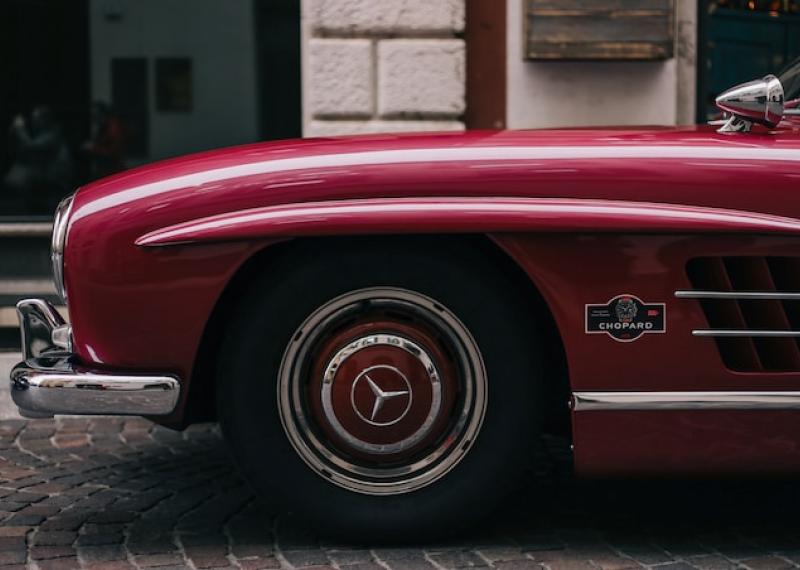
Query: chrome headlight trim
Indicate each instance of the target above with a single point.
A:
(59, 242)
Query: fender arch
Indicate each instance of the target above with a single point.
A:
(201, 386)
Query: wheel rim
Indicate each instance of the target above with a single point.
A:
(382, 391)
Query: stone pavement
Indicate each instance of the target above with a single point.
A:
(121, 493)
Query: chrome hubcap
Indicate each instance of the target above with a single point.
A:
(381, 395)
(382, 391)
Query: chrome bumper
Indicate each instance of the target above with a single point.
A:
(48, 382)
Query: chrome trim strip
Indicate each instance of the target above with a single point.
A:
(738, 295)
(734, 333)
(630, 401)
(45, 387)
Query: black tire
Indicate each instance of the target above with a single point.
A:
(471, 280)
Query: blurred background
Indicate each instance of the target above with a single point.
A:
(93, 87)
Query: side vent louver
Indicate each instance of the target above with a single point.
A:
(752, 305)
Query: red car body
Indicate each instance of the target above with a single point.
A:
(588, 215)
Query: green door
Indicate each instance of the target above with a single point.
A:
(742, 45)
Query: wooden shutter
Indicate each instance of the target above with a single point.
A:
(599, 29)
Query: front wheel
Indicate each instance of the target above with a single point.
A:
(382, 391)
(382, 396)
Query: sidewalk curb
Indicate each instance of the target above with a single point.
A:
(8, 411)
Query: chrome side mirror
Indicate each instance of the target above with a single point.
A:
(759, 101)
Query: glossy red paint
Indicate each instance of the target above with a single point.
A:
(697, 443)
(692, 167)
(145, 308)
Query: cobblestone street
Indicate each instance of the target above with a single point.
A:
(116, 494)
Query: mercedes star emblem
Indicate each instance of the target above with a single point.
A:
(381, 395)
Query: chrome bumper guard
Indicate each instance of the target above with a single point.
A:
(48, 381)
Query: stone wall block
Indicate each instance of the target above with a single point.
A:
(387, 16)
(421, 77)
(341, 78)
(338, 128)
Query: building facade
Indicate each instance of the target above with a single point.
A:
(395, 65)
(189, 75)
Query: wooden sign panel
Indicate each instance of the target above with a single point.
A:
(599, 29)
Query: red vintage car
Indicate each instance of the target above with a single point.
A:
(384, 325)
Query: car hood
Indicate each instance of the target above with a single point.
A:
(695, 166)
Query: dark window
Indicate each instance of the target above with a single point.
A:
(103, 102)
(278, 62)
(174, 85)
(129, 99)
(44, 64)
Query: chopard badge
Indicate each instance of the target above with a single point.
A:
(626, 318)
